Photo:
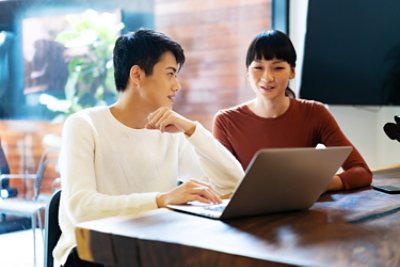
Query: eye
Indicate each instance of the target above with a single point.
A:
(258, 67)
(279, 68)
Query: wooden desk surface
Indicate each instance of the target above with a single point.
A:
(360, 228)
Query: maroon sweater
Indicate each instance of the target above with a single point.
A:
(305, 124)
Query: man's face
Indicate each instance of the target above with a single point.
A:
(162, 85)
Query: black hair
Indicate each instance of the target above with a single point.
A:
(269, 45)
(143, 48)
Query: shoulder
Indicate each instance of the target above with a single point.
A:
(309, 106)
(305, 103)
(86, 117)
(232, 112)
(315, 112)
(89, 113)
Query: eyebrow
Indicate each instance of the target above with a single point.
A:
(171, 68)
(274, 61)
(278, 61)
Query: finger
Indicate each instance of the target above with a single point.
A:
(166, 120)
(207, 193)
(201, 199)
(153, 120)
(149, 126)
(155, 116)
(215, 197)
(200, 184)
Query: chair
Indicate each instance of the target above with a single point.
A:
(29, 207)
(6, 191)
(52, 228)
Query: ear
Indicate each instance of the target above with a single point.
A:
(292, 73)
(136, 75)
(247, 74)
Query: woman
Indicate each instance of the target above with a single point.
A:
(274, 118)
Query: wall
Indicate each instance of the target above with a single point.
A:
(23, 143)
(215, 36)
(362, 124)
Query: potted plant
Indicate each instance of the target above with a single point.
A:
(89, 41)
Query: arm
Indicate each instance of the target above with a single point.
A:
(356, 171)
(220, 167)
(219, 132)
(80, 196)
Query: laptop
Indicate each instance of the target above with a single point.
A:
(277, 180)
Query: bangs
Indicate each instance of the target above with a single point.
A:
(265, 49)
(271, 45)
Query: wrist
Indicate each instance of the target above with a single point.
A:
(160, 200)
(190, 129)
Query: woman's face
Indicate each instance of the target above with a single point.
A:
(269, 78)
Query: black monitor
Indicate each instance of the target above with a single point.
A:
(352, 52)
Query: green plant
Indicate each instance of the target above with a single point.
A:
(89, 41)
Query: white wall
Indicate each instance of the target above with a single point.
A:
(362, 124)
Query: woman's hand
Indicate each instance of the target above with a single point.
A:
(166, 120)
(191, 190)
(335, 184)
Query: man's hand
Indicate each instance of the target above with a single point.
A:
(166, 120)
(191, 190)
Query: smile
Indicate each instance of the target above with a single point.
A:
(266, 88)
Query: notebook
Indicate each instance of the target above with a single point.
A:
(277, 180)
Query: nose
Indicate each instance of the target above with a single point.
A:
(268, 76)
(177, 86)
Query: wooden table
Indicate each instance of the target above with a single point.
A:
(359, 228)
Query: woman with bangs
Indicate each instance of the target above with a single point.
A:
(276, 119)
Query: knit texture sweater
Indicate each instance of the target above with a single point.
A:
(108, 169)
(304, 124)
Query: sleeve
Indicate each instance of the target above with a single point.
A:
(82, 201)
(219, 166)
(356, 171)
(219, 130)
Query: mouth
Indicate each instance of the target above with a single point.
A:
(267, 88)
(171, 97)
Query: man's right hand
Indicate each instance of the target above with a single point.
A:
(191, 190)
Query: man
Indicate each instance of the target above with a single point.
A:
(126, 158)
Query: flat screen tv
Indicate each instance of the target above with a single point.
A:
(352, 52)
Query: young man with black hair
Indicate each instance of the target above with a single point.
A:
(126, 158)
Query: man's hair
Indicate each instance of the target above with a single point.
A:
(143, 48)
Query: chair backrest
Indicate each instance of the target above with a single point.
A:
(52, 228)
(6, 190)
(4, 167)
(50, 156)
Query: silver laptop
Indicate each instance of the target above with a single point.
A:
(277, 180)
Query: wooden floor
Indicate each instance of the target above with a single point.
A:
(16, 249)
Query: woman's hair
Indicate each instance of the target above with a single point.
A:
(269, 45)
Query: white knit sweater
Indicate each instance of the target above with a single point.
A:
(108, 169)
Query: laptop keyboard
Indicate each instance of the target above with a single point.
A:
(217, 208)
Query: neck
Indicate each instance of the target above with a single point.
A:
(130, 111)
(269, 109)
